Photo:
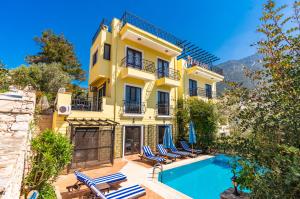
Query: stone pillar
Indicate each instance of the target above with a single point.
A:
(16, 114)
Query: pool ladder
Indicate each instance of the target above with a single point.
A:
(157, 166)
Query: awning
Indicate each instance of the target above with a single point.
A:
(91, 122)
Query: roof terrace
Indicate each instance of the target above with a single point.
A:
(193, 54)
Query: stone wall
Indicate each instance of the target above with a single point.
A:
(16, 114)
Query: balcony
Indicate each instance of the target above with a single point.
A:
(202, 93)
(169, 78)
(205, 71)
(87, 104)
(163, 110)
(141, 69)
(133, 108)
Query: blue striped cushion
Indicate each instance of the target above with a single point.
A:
(34, 195)
(158, 159)
(161, 149)
(174, 150)
(173, 155)
(128, 192)
(110, 178)
(186, 147)
(104, 179)
(83, 178)
(97, 192)
(147, 151)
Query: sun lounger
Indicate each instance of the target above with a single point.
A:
(186, 147)
(131, 192)
(147, 154)
(182, 153)
(163, 152)
(33, 195)
(112, 179)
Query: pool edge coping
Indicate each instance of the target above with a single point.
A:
(170, 190)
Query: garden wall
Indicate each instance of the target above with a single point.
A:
(16, 114)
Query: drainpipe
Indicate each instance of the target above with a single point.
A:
(116, 71)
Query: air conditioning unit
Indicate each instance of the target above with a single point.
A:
(64, 110)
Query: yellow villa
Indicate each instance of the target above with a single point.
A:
(137, 73)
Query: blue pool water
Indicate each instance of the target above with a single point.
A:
(205, 179)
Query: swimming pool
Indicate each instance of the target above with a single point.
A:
(204, 179)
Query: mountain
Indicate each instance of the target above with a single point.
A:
(234, 70)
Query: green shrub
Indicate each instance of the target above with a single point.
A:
(205, 118)
(51, 152)
(182, 119)
(47, 192)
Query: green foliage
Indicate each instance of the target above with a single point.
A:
(267, 117)
(205, 117)
(44, 78)
(56, 48)
(4, 78)
(77, 91)
(51, 153)
(182, 119)
(24, 76)
(47, 192)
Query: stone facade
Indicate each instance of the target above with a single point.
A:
(16, 114)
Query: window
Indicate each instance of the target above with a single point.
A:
(134, 58)
(208, 91)
(101, 94)
(193, 87)
(161, 132)
(133, 100)
(163, 103)
(106, 54)
(163, 68)
(95, 57)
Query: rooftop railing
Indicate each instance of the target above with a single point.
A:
(145, 25)
(105, 24)
(208, 67)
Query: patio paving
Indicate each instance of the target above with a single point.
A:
(137, 172)
(65, 180)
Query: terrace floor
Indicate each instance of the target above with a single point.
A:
(137, 172)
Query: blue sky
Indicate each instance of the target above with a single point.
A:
(226, 28)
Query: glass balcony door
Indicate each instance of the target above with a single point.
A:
(193, 87)
(132, 140)
(134, 58)
(208, 91)
(163, 68)
(163, 103)
(101, 94)
(133, 100)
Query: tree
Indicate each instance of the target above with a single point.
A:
(51, 152)
(4, 78)
(205, 117)
(55, 48)
(268, 116)
(46, 79)
(182, 119)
